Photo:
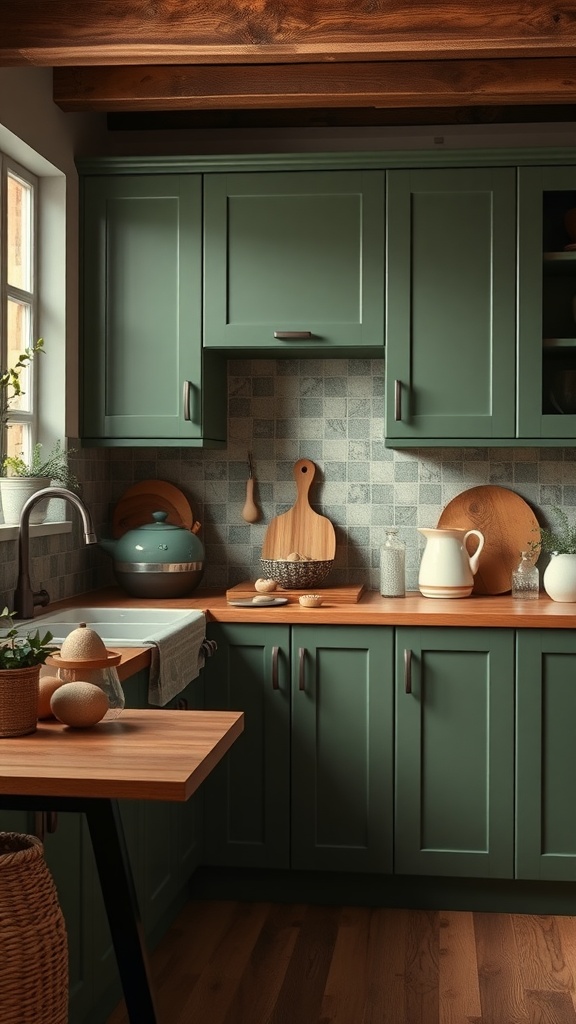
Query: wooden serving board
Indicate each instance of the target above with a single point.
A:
(139, 501)
(349, 594)
(509, 527)
(301, 529)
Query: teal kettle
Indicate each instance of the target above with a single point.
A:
(157, 560)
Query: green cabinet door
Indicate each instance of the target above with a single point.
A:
(246, 797)
(144, 375)
(546, 755)
(546, 310)
(342, 748)
(294, 254)
(454, 752)
(451, 306)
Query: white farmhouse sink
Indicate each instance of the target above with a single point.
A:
(127, 627)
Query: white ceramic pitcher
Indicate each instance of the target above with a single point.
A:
(447, 569)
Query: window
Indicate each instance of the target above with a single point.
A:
(18, 286)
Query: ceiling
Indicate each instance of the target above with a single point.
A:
(231, 63)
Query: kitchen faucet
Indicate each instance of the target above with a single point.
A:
(25, 599)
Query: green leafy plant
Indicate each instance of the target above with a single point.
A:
(21, 650)
(55, 465)
(561, 540)
(10, 383)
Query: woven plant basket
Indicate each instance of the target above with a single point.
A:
(19, 700)
(33, 943)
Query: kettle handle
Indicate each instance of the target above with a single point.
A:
(475, 558)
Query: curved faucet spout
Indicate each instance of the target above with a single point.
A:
(25, 599)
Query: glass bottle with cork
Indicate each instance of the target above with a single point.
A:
(392, 565)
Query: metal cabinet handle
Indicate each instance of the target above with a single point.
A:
(397, 400)
(45, 821)
(301, 657)
(293, 335)
(407, 670)
(275, 684)
(186, 399)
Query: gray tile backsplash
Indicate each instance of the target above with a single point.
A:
(327, 410)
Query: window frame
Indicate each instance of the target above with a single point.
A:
(28, 417)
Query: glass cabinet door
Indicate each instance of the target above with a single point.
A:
(547, 303)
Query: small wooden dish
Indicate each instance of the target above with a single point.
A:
(310, 600)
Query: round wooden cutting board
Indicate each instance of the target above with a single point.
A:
(509, 527)
(139, 501)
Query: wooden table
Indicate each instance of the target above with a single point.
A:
(142, 755)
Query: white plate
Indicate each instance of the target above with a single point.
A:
(247, 602)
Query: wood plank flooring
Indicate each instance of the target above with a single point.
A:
(264, 963)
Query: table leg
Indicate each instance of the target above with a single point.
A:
(120, 901)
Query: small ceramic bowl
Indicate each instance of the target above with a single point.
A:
(310, 600)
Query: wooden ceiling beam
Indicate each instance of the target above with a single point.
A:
(109, 32)
(392, 84)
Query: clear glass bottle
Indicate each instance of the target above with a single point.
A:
(526, 579)
(392, 565)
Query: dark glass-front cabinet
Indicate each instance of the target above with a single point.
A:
(547, 302)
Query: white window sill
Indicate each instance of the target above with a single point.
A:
(36, 530)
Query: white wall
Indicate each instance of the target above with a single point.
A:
(34, 131)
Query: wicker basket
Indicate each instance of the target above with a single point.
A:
(33, 943)
(296, 575)
(19, 700)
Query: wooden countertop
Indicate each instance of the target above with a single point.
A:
(370, 610)
(141, 755)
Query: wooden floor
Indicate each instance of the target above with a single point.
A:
(263, 963)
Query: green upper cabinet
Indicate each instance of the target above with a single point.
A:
(145, 377)
(451, 306)
(294, 262)
(454, 752)
(546, 303)
(546, 755)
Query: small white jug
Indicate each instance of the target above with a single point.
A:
(447, 569)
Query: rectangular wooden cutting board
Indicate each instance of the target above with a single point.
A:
(349, 594)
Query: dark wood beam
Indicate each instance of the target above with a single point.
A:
(391, 85)
(336, 117)
(117, 32)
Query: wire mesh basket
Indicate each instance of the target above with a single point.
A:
(296, 575)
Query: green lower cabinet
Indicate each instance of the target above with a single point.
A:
(316, 792)
(546, 755)
(247, 795)
(454, 752)
(342, 748)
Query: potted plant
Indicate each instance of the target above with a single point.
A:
(559, 578)
(23, 478)
(21, 656)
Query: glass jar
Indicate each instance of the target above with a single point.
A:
(526, 579)
(392, 565)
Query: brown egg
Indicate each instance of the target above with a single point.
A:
(79, 704)
(47, 686)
